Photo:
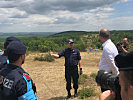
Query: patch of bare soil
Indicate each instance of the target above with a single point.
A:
(49, 77)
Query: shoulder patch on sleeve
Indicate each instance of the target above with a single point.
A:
(27, 76)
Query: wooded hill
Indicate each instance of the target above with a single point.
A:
(82, 39)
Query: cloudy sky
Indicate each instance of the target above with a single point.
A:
(65, 15)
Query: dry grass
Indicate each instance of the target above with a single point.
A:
(49, 77)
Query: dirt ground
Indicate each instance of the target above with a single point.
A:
(49, 77)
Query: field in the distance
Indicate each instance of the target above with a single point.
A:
(49, 77)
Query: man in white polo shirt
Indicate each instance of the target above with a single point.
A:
(108, 54)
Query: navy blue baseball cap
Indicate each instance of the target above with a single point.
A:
(9, 40)
(124, 61)
(16, 47)
(70, 41)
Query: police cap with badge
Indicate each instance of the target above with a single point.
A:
(70, 41)
(124, 61)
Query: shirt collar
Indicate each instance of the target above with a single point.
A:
(106, 42)
(70, 49)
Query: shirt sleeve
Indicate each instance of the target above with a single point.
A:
(62, 53)
(111, 62)
(79, 57)
(21, 87)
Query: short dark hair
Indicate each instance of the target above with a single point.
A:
(125, 64)
(124, 61)
(104, 33)
(13, 57)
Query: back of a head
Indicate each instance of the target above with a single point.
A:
(104, 33)
(124, 61)
(125, 64)
(14, 50)
(9, 40)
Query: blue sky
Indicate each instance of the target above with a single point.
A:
(123, 9)
(65, 15)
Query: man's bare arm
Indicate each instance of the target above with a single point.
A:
(54, 55)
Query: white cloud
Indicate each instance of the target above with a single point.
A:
(108, 9)
(46, 6)
(57, 15)
(121, 23)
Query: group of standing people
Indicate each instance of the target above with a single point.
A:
(16, 84)
(116, 55)
(107, 61)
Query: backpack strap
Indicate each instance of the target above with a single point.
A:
(29, 95)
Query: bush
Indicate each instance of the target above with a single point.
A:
(80, 46)
(86, 92)
(46, 57)
(82, 79)
(93, 75)
(1, 46)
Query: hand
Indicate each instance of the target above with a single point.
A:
(50, 53)
(107, 95)
(120, 46)
(81, 72)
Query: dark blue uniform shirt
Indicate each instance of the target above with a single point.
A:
(3, 60)
(72, 56)
(14, 85)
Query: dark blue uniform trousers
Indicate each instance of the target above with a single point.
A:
(74, 74)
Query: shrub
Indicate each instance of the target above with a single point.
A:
(80, 46)
(46, 57)
(86, 92)
(93, 75)
(82, 79)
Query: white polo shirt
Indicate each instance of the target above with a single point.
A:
(107, 62)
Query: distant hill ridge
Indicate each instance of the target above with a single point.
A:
(57, 34)
(42, 34)
(67, 33)
(75, 33)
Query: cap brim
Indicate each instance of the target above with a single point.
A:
(70, 42)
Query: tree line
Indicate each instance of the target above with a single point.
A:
(82, 40)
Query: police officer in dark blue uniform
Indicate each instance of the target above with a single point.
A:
(16, 84)
(72, 59)
(3, 57)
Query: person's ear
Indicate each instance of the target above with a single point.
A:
(22, 56)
